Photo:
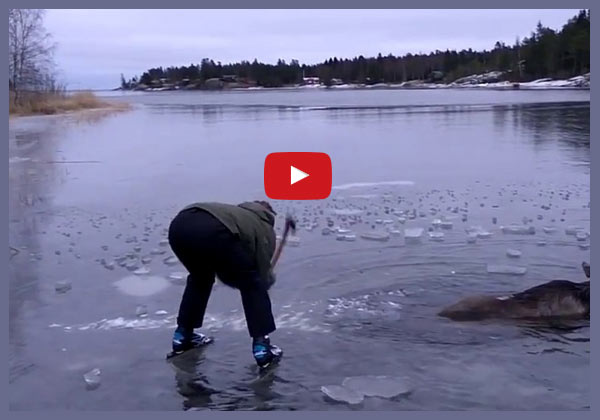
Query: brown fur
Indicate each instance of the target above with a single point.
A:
(555, 299)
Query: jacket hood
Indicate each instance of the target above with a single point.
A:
(260, 211)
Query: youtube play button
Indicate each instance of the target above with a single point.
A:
(297, 176)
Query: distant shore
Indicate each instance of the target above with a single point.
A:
(472, 82)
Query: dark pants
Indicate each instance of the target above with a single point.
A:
(207, 248)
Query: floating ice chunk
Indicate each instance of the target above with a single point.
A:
(163, 242)
(92, 379)
(375, 236)
(347, 212)
(402, 220)
(484, 234)
(549, 229)
(157, 251)
(505, 269)
(347, 237)
(54, 325)
(541, 243)
(377, 386)
(161, 312)
(581, 236)
(513, 253)
(326, 231)
(342, 394)
(141, 271)
(436, 236)
(395, 232)
(387, 221)
(146, 260)
(141, 285)
(62, 286)
(518, 229)
(413, 235)
(172, 260)
(137, 248)
(343, 231)
(131, 265)
(436, 222)
(584, 246)
(446, 224)
(471, 238)
(178, 276)
(572, 230)
(293, 241)
(141, 311)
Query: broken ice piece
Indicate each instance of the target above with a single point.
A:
(161, 312)
(484, 234)
(141, 271)
(146, 260)
(395, 232)
(375, 236)
(471, 238)
(342, 394)
(326, 231)
(172, 260)
(347, 237)
(513, 253)
(157, 251)
(402, 220)
(92, 379)
(584, 246)
(436, 222)
(377, 386)
(572, 230)
(436, 236)
(505, 269)
(178, 275)
(549, 229)
(581, 236)
(446, 224)
(62, 286)
(413, 235)
(518, 230)
(541, 243)
(163, 242)
(141, 311)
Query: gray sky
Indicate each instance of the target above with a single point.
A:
(96, 46)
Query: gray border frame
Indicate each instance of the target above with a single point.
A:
(305, 4)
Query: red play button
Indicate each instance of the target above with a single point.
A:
(297, 176)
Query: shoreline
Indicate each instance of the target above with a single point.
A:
(483, 81)
(490, 86)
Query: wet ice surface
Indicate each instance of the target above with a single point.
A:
(375, 288)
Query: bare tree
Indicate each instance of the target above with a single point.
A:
(30, 49)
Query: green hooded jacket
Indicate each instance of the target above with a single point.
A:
(253, 224)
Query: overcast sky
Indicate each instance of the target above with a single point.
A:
(95, 46)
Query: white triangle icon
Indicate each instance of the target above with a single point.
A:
(296, 175)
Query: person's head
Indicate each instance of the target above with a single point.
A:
(266, 205)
